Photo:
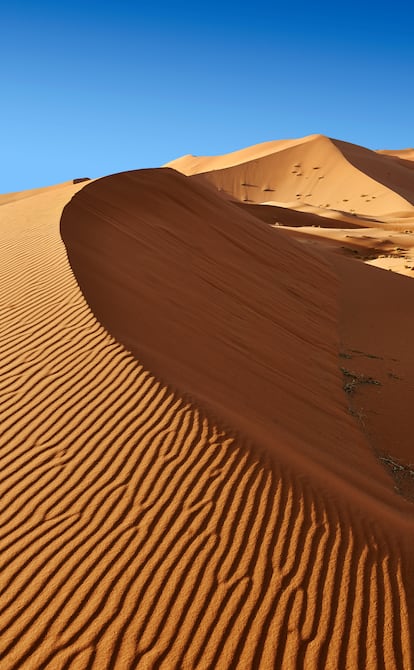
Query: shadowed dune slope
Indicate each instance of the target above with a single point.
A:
(137, 533)
(314, 170)
(222, 306)
(398, 177)
(382, 349)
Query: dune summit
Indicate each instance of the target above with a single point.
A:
(205, 449)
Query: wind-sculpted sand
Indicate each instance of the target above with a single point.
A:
(208, 500)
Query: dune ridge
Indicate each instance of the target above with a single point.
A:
(137, 530)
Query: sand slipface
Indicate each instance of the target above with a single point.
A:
(209, 500)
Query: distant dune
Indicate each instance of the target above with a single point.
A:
(405, 154)
(206, 452)
(313, 170)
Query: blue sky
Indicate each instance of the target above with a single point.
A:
(92, 88)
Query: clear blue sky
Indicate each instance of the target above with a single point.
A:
(91, 88)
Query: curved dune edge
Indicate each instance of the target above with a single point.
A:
(136, 533)
(226, 309)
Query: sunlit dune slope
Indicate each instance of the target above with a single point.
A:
(22, 195)
(315, 170)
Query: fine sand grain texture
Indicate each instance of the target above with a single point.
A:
(208, 500)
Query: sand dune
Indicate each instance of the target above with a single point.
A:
(210, 500)
(314, 170)
(205, 297)
(405, 154)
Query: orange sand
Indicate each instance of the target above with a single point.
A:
(214, 499)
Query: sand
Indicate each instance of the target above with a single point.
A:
(185, 481)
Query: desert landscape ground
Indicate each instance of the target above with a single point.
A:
(207, 382)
